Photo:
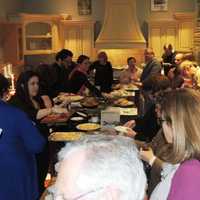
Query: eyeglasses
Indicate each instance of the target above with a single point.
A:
(162, 120)
(81, 195)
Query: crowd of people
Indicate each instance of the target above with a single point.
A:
(159, 162)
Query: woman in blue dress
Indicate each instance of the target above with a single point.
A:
(19, 142)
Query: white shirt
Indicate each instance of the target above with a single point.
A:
(161, 191)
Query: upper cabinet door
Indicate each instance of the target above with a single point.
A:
(186, 26)
(40, 34)
(78, 36)
(179, 32)
(156, 40)
(186, 36)
(38, 38)
(160, 34)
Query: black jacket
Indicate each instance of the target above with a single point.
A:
(78, 80)
(147, 126)
(152, 68)
(103, 75)
(59, 82)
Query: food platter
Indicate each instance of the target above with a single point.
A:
(88, 127)
(123, 102)
(118, 93)
(55, 118)
(70, 97)
(130, 87)
(65, 136)
(89, 102)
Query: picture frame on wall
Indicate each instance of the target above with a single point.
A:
(85, 7)
(159, 5)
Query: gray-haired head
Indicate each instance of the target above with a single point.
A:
(100, 167)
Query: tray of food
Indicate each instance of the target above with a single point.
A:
(90, 102)
(118, 93)
(130, 87)
(55, 118)
(123, 102)
(88, 127)
(70, 97)
(65, 136)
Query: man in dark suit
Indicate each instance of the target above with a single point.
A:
(153, 66)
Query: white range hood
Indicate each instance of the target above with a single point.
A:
(120, 29)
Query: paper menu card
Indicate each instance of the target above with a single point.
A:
(110, 117)
(125, 111)
(128, 111)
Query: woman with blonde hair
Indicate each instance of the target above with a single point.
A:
(181, 125)
(188, 71)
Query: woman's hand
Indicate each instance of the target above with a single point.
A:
(64, 104)
(147, 155)
(130, 133)
(47, 101)
(130, 124)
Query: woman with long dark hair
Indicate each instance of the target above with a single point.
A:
(28, 99)
(19, 142)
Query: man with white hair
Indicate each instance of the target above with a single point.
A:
(100, 167)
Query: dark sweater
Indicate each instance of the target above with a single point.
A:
(147, 126)
(103, 75)
(78, 80)
(59, 79)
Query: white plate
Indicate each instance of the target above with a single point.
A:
(81, 114)
(77, 118)
(88, 127)
(122, 129)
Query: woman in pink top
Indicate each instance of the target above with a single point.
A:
(181, 126)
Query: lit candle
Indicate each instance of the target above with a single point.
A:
(9, 69)
(5, 71)
(12, 82)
